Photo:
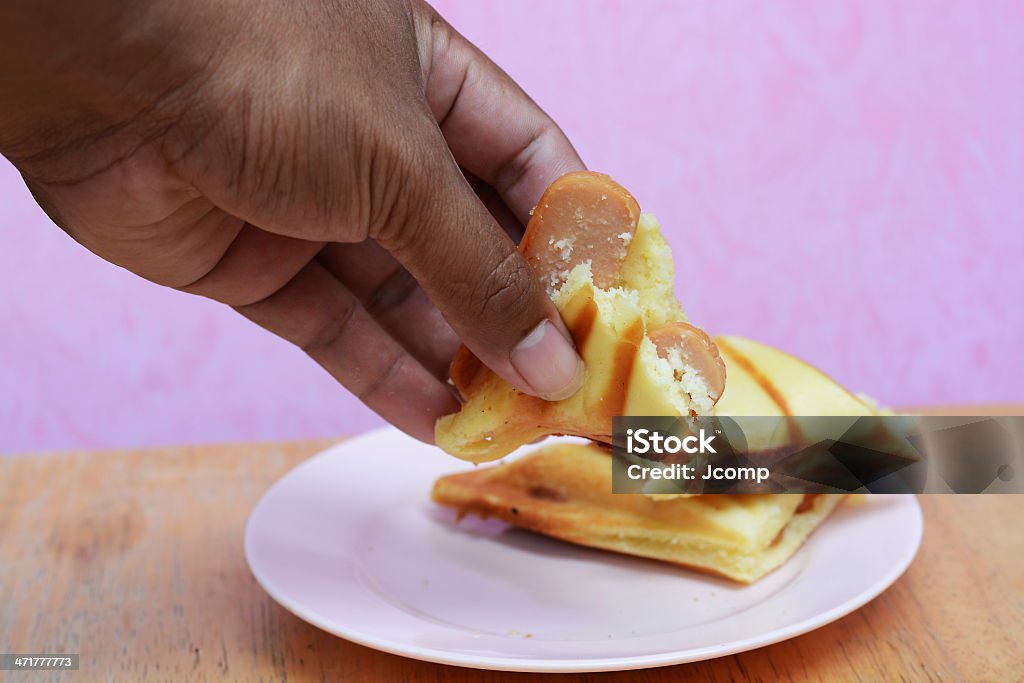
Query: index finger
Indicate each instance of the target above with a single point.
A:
(492, 127)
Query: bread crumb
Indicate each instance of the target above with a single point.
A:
(564, 247)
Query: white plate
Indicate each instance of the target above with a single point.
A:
(350, 542)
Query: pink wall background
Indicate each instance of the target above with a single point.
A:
(844, 180)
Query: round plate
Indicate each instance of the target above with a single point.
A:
(350, 542)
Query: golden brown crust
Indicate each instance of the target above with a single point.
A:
(538, 517)
(564, 491)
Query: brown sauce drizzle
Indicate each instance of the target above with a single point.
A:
(583, 325)
(807, 503)
(541, 492)
(769, 387)
(623, 360)
(465, 369)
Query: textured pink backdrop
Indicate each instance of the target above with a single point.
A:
(844, 180)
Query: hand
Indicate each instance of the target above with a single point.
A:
(338, 172)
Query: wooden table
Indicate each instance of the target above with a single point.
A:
(134, 559)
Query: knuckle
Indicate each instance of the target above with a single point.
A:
(391, 294)
(329, 332)
(513, 170)
(389, 195)
(404, 167)
(382, 385)
(399, 177)
(505, 293)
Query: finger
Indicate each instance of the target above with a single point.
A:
(256, 264)
(379, 167)
(497, 207)
(190, 244)
(181, 244)
(475, 275)
(494, 129)
(318, 314)
(395, 300)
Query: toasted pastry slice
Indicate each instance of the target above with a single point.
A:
(764, 380)
(564, 491)
(610, 273)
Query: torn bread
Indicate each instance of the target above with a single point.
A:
(564, 491)
(610, 273)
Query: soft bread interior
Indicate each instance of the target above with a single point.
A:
(625, 374)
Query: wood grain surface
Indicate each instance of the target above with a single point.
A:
(134, 559)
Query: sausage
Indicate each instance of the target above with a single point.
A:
(583, 216)
(697, 351)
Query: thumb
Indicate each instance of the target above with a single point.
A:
(474, 274)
